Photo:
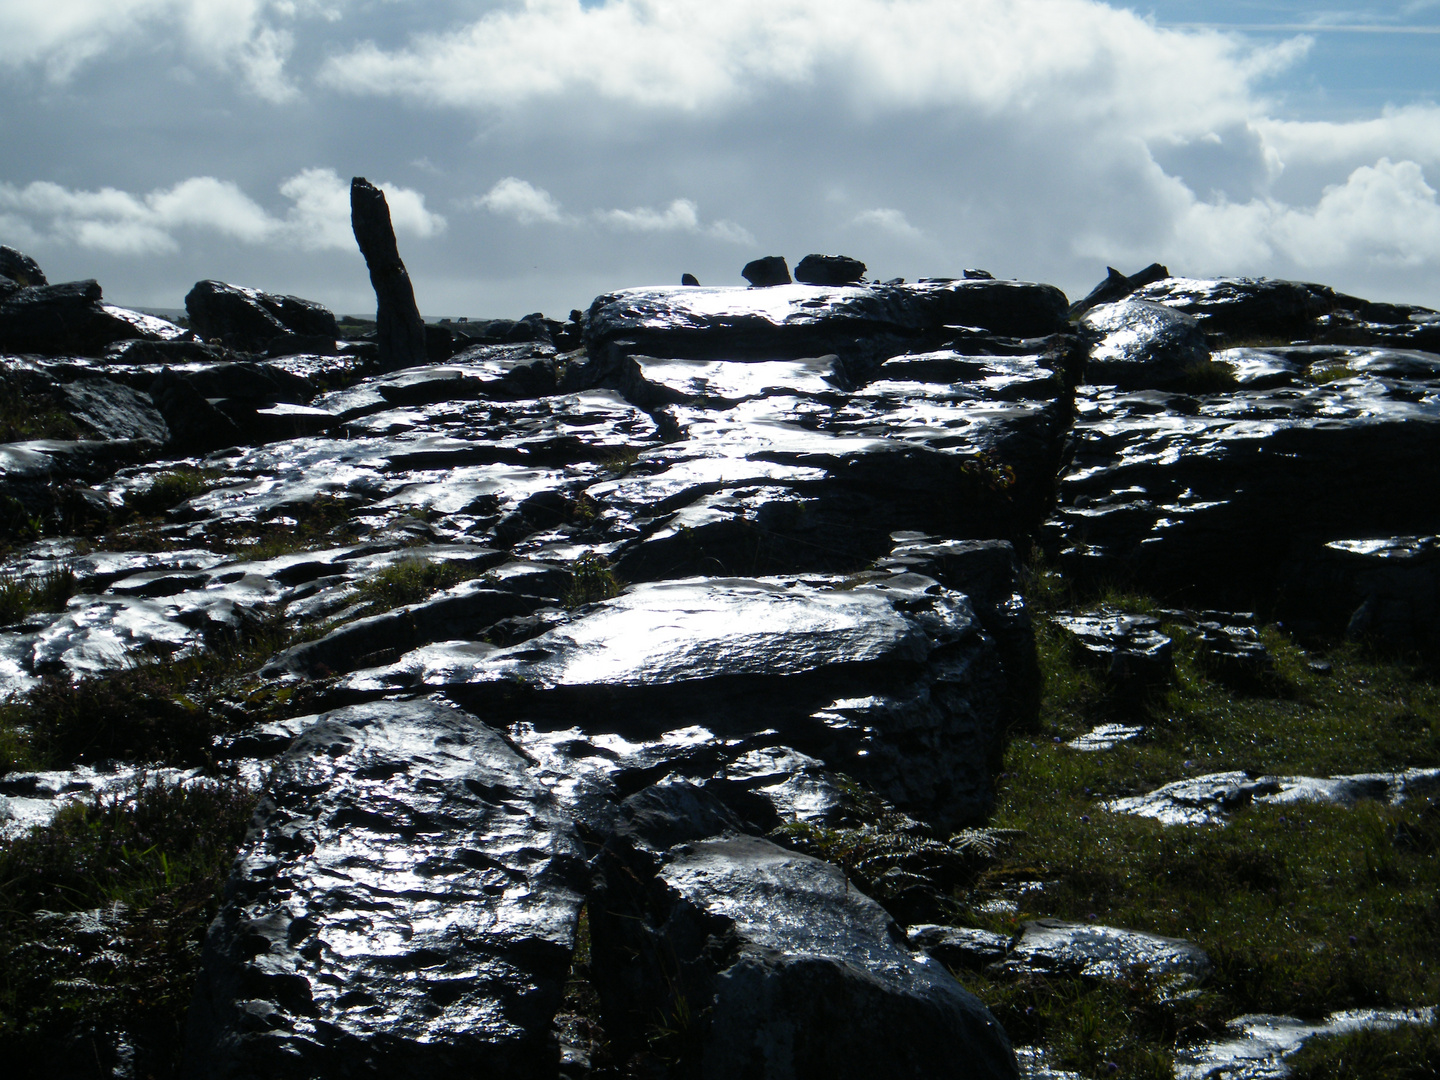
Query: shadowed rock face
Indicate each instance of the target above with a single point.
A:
(753, 952)
(407, 900)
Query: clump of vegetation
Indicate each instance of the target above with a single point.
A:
(32, 414)
(1207, 377)
(101, 919)
(409, 581)
(315, 524)
(170, 488)
(1320, 374)
(591, 579)
(20, 595)
(168, 710)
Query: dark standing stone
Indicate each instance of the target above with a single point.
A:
(20, 268)
(689, 279)
(771, 270)
(400, 332)
(829, 270)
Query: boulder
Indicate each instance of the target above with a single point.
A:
(20, 268)
(405, 905)
(770, 270)
(252, 320)
(70, 319)
(829, 270)
(762, 962)
(689, 279)
(1143, 346)
(1218, 498)
(400, 332)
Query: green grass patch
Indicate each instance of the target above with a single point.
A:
(1304, 909)
(1406, 1052)
(26, 414)
(147, 866)
(409, 581)
(169, 489)
(20, 595)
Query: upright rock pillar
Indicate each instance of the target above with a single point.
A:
(399, 329)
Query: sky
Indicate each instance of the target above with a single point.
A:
(536, 153)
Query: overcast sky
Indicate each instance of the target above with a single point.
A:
(538, 152)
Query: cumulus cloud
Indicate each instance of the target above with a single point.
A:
(120, 223)
(244, 36)
(991, 55)
(890, 220)
(527, 204)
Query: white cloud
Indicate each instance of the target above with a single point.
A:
(120, 223)
(515, 198)
(530, 205)
(681, 215)
(242, 36)
(1075, 56)
(887, 218)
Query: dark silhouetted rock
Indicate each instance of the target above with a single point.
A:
(829, 270)
(689, 279)
(788, 322)
(195, 424)
(1143, 346)
(70, 319)
(400, 332)
(405, 905)
(1246, 308)
(252, 320)
(779, 967)
(771, 270)
(1117, 286)
(20, 268)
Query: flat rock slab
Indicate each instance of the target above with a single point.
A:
(405, 905)
(1209, 799)
(1105, 952)
(893, 681)
(787, 321)
(790, 971)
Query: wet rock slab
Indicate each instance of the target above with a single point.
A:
(406, 900)
(810, 320)
(1209, 799)
(892, 681)
(1105, 952)
(789, 971)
